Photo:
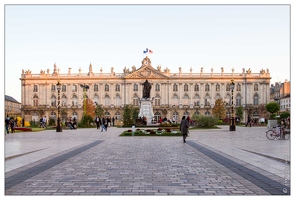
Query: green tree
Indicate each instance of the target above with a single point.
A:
(99, 110)
(219, 110)
(205, 121)
(130, 115)
(239, 112)
(272, 107)
(284, 115)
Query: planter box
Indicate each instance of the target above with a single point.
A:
(272, 123)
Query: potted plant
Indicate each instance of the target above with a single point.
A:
(272, 107)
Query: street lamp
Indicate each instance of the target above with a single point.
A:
(58, 127)
(85, 87)
(232, 126)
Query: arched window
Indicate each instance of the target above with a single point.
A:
(53, 115)
(207, 113)
(118, 100)
(74, 116)
(107, 100)
(157, 116)
(157, 87)
(96, 99)
(117, 89)
(135, 87)
(175, 99)
(228, 114)
(227, 87)
(185, 99)
(35, 100)
(175, 116)
(255, 115)
(107, 114)
(53, 100)
(63, 100)
(196, 100)
(106, 88)
(185, 87)
(95, 88)
(238, 100)
(217, 87)
(35, 88)
(157, 100)
(255, 99)
(239, 87)
(186, 114)
(256, 87)
(197, 88)
(74, 100)
(228, 99)
(207, 87)
(135, 100)
(117, 117)
(207, 100)
(217, 96)
(197, 113)
(175, 87)
(63, 88)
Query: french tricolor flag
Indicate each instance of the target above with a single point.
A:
(148, 51)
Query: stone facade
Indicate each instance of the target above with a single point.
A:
(174, 94)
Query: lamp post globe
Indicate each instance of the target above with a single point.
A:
(232, 126)
(58, 127)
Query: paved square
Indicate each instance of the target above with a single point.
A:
(90, 162)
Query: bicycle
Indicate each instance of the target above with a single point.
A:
(275, 132)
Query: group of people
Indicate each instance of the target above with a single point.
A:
(9, 122)
(103, 122)
(43, 122)
(71, 123)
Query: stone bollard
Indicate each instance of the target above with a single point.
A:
(133, 130)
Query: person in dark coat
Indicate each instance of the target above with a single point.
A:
(97, 122)
(184, 128)
(248, 121)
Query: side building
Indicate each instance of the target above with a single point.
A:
(174, 94)
(12, 107)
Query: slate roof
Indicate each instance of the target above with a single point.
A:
(9, 98)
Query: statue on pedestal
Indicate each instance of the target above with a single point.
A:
(146, 89)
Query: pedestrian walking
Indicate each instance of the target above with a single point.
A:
(248, 121)
(7, 120)
(113, 120)
(11, 122)
(44, 123)
(184, 128)
(97, 122)
(103, 124)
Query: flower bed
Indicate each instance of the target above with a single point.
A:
(22, 128)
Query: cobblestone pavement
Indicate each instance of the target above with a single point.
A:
(90, 162)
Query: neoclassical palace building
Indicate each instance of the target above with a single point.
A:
(174, 93)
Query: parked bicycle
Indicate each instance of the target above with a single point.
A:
(275, 132)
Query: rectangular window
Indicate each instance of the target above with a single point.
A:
(117, 88)
(95, 88)
(64, 88)
(74, 88)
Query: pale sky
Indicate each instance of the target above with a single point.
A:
(208, 36)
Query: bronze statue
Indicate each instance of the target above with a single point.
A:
(146, 89)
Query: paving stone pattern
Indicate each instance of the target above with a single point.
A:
(142, 166)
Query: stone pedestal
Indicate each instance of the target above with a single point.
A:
(146, 109)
